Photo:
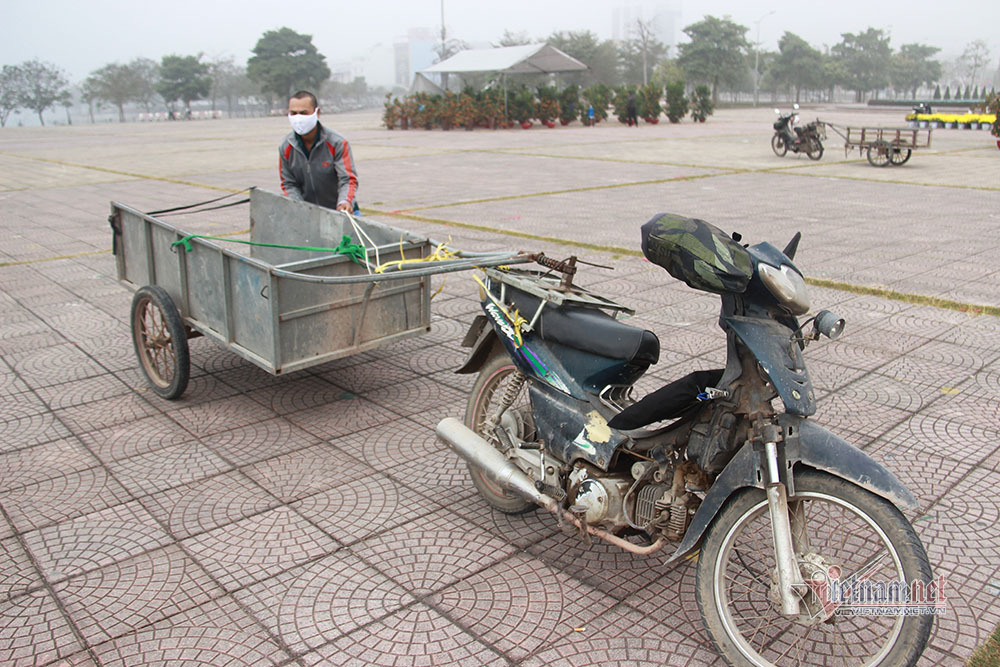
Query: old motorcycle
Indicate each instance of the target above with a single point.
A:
(789, 520)
(791, 137)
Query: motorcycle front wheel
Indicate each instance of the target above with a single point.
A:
(496, 378)
(840, 531)
(815, 149)
(778, 145)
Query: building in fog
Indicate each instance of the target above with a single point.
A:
(663, 15)
(413, 53)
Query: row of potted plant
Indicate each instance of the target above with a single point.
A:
(547, 104)
(967, 121)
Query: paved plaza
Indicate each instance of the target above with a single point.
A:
(313, 518)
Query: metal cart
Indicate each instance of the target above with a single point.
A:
(282, 309)
(884, 145)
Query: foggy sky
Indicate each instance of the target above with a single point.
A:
(81, 36)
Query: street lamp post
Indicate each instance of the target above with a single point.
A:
(756, 59)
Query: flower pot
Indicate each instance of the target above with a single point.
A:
(550, 124)
(998, 143)
(922, 123)
(526, 124)
(701, 120)
(563, 122)
(651, 120)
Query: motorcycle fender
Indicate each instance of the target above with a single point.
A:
(807, 444)
(481, 338)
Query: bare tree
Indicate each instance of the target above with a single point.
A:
(647, 42)
(975, 58)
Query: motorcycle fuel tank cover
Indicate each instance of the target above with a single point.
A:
(697, 252)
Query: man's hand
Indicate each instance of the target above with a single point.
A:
(344, 206)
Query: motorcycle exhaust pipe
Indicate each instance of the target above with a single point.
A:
(474, 449)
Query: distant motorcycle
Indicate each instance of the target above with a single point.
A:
(789, 137)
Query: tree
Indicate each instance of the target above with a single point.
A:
(937, 92)
(975, 57)
(285, 61)
(11, 82)
(600, 57)
(912, 66)
(115, 84)
(183, 78)
(513, 39)
(866, 59)
(227, 80)
(715, 54)
(147, 75)
(798, 65)
(639, 55)
(42, 85)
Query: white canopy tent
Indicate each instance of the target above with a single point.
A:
(525, 59)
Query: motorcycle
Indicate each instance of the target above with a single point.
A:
(806, 139)
(788, 519)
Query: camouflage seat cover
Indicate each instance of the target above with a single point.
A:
(697, 252)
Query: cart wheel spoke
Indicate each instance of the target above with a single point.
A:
(160, 341)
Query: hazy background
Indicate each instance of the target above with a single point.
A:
(82, 36)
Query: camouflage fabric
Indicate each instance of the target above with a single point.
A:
(697, 252)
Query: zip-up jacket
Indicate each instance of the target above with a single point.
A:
(326, 176)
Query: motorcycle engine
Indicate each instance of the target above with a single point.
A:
(598, 496)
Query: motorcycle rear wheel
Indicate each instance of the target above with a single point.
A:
(845, 527)
(778, 145)
(486, 394)
(814, 149)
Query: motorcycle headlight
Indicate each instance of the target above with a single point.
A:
(787, 286)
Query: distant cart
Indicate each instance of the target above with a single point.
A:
(284, 309)
(884, 145)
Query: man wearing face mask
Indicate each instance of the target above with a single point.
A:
(316, 164)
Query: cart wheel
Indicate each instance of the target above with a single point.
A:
(899, 156)
(814, 149)
(160, 341)
(878, 154)
(778, 145)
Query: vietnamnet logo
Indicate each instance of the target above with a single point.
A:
(862, 594)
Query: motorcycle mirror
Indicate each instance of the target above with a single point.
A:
(792, 246)
(829, 324)
(795, 106)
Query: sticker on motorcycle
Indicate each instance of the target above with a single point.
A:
(595, 430)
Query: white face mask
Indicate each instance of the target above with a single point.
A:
(303, 124)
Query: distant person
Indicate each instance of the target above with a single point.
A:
(315, 162)
(630, 111)
(590, 115)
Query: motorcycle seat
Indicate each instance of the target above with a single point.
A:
(591, 330)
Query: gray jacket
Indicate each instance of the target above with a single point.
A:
(326, 176)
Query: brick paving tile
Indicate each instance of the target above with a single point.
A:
(18, 431)
(441, 476)
(316, 603)
(304, 472)
(201, 506)
(219, 415)
(259, 441)
(304, 393)
(436, 552)
(33, 631)
(416, 635)
(17, 573)
(58, 499)
(126, 596)
(167, 467)
(968, 510)
(521, 530)
(41, 462)
(94, 540)
(928, 475)
(216, 633)
(258, 547)
(365, 376)
(108, 412)
(393, 444)
(520, 605)
(123, 441)
(77, 392)
(956, 440)
(350, 413)
(56, 364)
(417, 396)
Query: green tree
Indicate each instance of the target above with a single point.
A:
(798, 65)
(716, 53)
(115, 84)
(639, 55)
(285, 61)
(147, 75)
(183, 78)
(510, 38)
(937, 92)
(866, 60)
(11, 82)
(42, 85)
(947, 92)
(229, 81)
(913, 66)
(600, 57)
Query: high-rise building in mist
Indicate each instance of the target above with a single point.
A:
(664, 16)
(413, 52)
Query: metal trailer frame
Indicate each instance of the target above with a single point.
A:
(884, 146)
(283, 310)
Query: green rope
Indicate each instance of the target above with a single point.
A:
(353, 250)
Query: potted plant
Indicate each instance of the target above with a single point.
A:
(523, 107)
(447, 111)
(649, 103)
(677, 103)
(702, 104)
(392, 113)
(620, 103)
(598, 96)
(569, 103)
(548, 105)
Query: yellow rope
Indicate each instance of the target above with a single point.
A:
(441, 253)
(515, 318)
